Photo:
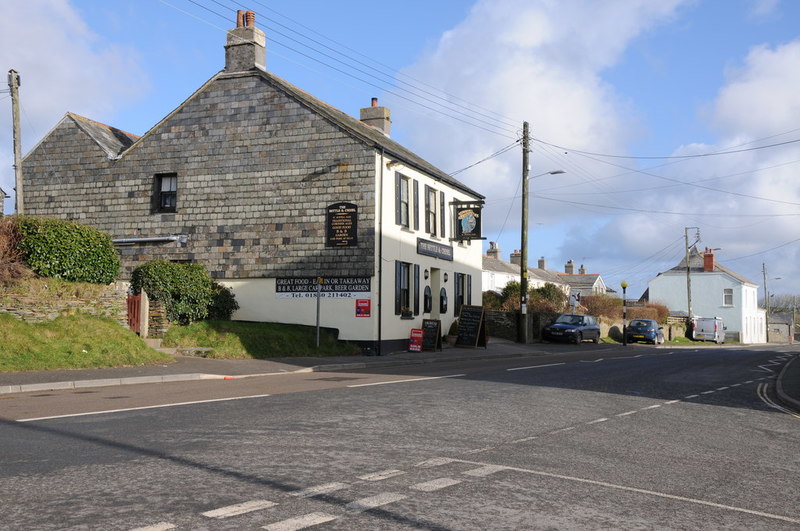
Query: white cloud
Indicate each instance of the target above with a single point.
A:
(64, 67)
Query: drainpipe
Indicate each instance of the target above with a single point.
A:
(180, 238)
(380, 255)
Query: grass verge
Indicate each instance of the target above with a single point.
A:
(71, 342)
(244, 340)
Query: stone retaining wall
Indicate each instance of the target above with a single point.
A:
(111, 303)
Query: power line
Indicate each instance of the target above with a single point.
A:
(493, 155)
(699, 155)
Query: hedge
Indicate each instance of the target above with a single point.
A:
(68, 250)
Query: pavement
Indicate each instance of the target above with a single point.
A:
(187, 368)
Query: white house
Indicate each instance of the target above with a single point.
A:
(716, 292)
(497, 273)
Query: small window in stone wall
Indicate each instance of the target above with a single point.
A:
(165, 192)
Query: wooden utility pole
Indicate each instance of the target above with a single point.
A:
(523, 258)
(13, 85)
(766, 299)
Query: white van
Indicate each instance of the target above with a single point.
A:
(708, 329)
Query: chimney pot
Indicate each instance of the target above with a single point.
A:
(374, 102)
(240, 18)
(569, 268)
(542, 264)
(250, 19)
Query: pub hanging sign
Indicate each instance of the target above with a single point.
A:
(341, 225)
(468, 220)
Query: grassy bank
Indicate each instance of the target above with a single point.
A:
(242, 340)
(71, 342)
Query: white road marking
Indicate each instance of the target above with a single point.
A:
(593, 361)
(651, 407)
(320, 489)
(570, 428)
(736, 385)
(535, 367)
(707, 392)
(436, 461)
(690, 396)
(670, 402)
(380, 476)
(239, 508)
(762, 394)
(484, 471)
(436, 484)
(144, 407)
(301, 522)
(524, 439)
(722, 388)
(648, 493)
(379, 500)
(408, 380)
(626, 413)
(161, 526)
(597, 421)
(481, 450)
(749, 381)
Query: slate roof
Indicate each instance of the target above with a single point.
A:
(113, 141)
(696, 266)
(579, 281)
(496, 265)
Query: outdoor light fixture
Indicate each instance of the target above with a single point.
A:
(427, 274)
(445, 277)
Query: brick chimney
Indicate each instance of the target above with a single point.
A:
(542, 264)
(516, 258)
(377, 117)
(569, 267)
(708, 260)
(246, 46)
(493, 251)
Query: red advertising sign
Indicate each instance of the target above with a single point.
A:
(415, 341)
(363, 307)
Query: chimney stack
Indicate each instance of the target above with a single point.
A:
(246, 47)
(377, 117)
(494, 251)
(569, 268)
(582, 270)
(542, 264)
(708, 260)
(516, 258)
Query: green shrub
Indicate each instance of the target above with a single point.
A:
(185, 290)
(223, 303)
(68, 250)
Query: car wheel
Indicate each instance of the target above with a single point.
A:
(596, 340)
(578, 338)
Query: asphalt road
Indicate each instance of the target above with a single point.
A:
(659, 440)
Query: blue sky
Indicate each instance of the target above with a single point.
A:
(630, 78)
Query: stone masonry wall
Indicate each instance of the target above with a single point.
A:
(255, 171)
(34, 310)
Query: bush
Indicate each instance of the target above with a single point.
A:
(12, 268)
(223, 303)
(185, 290)
(602, 306)
(64, 249)
(548, 298)
(492, 301)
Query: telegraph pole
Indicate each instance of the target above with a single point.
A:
(523, 259)
(688, 274)
(13, 85)
(766, 298)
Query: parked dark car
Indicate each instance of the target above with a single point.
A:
(645, 330)
(572, 327)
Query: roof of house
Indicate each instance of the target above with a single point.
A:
(586, 281)
(496, 265)
(113, 141)
(696, 266)
(3, 194)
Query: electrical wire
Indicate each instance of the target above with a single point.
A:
(493, 155)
